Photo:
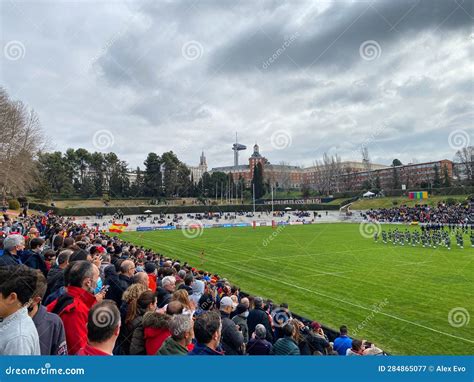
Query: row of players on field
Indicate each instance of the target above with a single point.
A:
(434, 235)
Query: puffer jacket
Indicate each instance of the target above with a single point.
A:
(150, 335)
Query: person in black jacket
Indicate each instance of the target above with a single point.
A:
(164, 292)
(232, 339)
(11, 246)
(119, 284)
(259, 316)
(33, 257)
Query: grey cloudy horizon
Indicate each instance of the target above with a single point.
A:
(300, 78)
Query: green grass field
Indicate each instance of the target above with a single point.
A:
(397, 297)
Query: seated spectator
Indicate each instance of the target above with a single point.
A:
(287, 344)
(232, 339)
(18, 332)
(49, 326)
(103, 327)
(317, 340)
(356, 348)
(343, 342)
(73, 306)
(207, 331)
(181, 328)
(12, 246)
(258, 345)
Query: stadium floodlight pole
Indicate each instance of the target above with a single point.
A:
(253, 187)
(272, 199)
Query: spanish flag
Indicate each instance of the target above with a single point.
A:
(118, 228)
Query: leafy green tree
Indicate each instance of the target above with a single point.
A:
(436, 178)
(152, 183)
(446, 178)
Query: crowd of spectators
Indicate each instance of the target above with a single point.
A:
(443, 213)
(66, 288)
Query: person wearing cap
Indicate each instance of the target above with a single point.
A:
(232, 339)
(259, 316)
(258, 345)
(240, 319)
(317, 340)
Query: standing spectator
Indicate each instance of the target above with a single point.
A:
(141, 278)
(103, 327)
(49, 326)
(188, 282)
(207, 331)
(181, 328)
(232, 339)
(259, 316)
(287, 344)
(18, 332)
(134, 342)
(33, 257)
(120, 285)
(343, 342)
(240, 319)
(11, 246)
(150, 269)
(258, 345)
(56, 274)
(183, 297)
(164, 293)
(73, 306)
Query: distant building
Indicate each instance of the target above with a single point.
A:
(198, 171)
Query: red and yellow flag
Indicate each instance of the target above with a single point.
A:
(118, 228)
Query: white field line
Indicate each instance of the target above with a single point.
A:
(415, 263)
(279, 281)
(320, 273)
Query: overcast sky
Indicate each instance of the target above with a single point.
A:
(299, 78)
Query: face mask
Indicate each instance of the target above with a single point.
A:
(245, 314)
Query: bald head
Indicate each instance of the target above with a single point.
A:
(141, 278)
(127, 268)
(174, 307)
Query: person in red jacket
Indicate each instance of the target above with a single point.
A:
(103, 327)
(73, 306)
(150, 269)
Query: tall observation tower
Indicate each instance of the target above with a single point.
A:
(237, 147)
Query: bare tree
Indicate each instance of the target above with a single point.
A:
(21, 138)
(465, 157)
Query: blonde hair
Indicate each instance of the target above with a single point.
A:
(182, 296)
(130, 296)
